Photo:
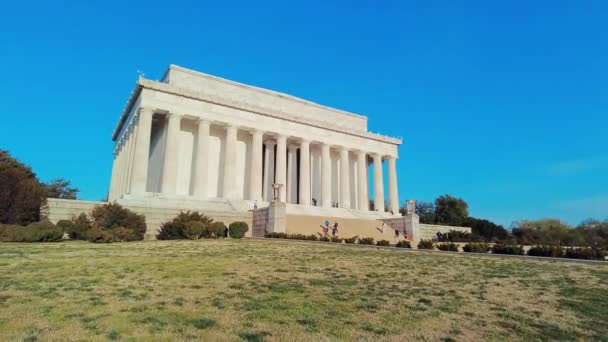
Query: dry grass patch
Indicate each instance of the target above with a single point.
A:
(262, 290)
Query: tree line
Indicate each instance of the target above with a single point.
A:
(452, 211)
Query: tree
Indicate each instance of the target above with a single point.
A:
(545, 231)
(426, 212)
(486, 230)
(20, 192)
(59, 188)
(451, 211)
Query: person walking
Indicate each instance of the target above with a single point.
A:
(334, 230)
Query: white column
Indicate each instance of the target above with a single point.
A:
(201, 160)
(171, 150)
(228, 187)
(378, 184)
(111, 190)
(119, 173)
(255, 183)
(281, 171)
(305, 172)
(292, 174)
(325, 176)
(268, 171)
(132, 144)
(363, 196)
(393, 191)
(125, 169)
(344, 179)
(142, 150)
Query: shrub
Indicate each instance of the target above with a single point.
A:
(216, 230)
(448, 246)
(43, 231)
(383, 243)
(109, 216)
(82, 224)
(336, 239)
(238, 229)
(500, 248)
(403, 244)
(351, 239)
(546, 251)
(66, 225)
(366, 241)
(274, 235)
(325, 239)
(476, 248)
(585, 253)
(194, 230)
(177, 228)
(454, 236)
(425, 244)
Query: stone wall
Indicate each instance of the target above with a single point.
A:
(259, 222)
(429, 231)
(60, 209)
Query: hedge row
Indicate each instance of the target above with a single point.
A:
(316, 237)
(193, 226)
(587, 253)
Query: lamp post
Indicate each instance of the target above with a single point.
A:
(277, 192)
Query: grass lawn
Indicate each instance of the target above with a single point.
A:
(290, 291)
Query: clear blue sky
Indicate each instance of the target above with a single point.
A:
(504, 104)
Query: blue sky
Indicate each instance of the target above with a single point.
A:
(504, 104)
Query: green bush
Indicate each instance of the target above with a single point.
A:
(448, 246)
(274, 235)
(546, 251)
(476, 248)
(110, 216)
(66, 225)
(43, 231)
(351, 240)
(325, 239)
(177, 228)
(366, 241)
(238, 229)
(336, 239)
(383, 243)
(454, 236)
(425, 244)
(585, 253)
(403, 244)
(216, 230)
(82, 224)
(194, 230)
(511, 249)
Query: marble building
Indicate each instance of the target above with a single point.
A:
(197, 141)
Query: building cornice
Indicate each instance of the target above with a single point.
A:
(264, 91)
(240, 105)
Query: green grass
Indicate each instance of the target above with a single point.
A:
(268, 290)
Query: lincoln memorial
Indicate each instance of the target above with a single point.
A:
(236, 152)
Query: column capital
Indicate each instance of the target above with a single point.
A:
(146, 110)
(173, 115)
(376, 155)
(254, 131)
(292, 147)
(270, 143)
(344, 149)
(203, 121)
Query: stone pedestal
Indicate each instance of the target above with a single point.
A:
(412, 228)
(277, 217)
